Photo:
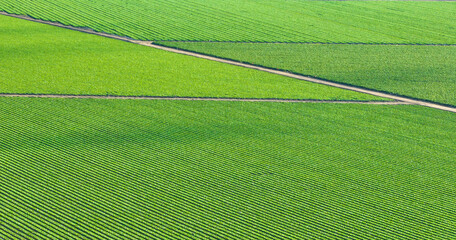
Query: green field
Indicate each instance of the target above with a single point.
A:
(253, 20)
(175, 169)
(44, 59)
(424, 72)
(141, 169)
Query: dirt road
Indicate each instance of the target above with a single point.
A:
(260, 68)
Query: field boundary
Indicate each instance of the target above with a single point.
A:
(201, 98)
(312, 43)
(407, 100)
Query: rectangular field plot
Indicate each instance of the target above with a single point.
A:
(41, 59)
(102, 169)
(424, 72)
(254, 21)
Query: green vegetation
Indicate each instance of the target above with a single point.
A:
(44, 59)
(141, 169)
(425, 72)
(74, 168)
(253, 20)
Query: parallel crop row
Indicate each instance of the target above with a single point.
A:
(104, 169)
(69, 62)
(253, 21)
(424, 72)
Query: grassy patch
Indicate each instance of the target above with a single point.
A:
(37, 58)
(251, 20)
(425, 72)
(75, 168)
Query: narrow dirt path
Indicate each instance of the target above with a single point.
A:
(199, 99)
(406, 100)
(312, 43)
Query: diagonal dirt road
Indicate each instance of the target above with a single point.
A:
(406, 100)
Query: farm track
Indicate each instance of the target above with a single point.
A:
(314, 43)
(200, 99)
(405, 100)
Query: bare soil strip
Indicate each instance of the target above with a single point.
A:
(200, 99)
(264, 69)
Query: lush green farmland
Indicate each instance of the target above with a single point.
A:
(44, 59)
(252, 20)
(175, 169)
(426, 72)
(141, 169)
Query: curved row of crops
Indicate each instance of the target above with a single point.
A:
(104, 169)
(253, 21)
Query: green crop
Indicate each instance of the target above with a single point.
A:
(38, 58)
(138, 169)
(253, 20)
(425, 72)
(141, 169)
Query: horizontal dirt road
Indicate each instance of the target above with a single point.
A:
(236, 63)
(199, 99)
(314, 43)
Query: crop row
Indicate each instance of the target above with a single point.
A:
(92, 65)
(158, 169)
(247, 20)
(424, 72)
